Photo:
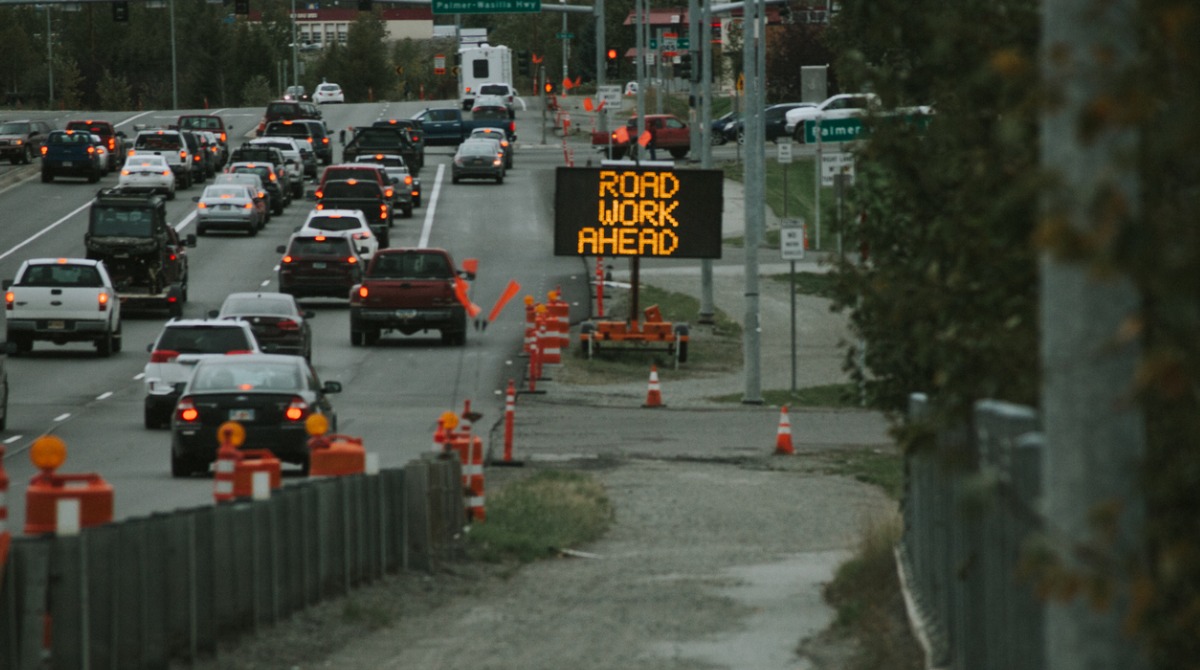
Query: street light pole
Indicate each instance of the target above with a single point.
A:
(49, 56)
(295, 49)
(174, 63)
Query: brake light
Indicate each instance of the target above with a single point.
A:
(320, 206)
(288, 324)
(296, 409)
(351, 260)
(186, 410)
(362, 236)
(362, 291)
(408, 180)
(125, 172)
(102, 301)
(222, 137)
(91, 150)
(320, 238)
(201, 205)
(163, 355)
(44, 149)
(112, 144)
(287, 259)
(236, 352)
(319, 194)
(182, 155)
(9, 299)
(248, 205)
(389, 193)
(166, 173)
(324, 140)
(512, 126)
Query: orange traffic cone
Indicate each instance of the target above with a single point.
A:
(783, 438)
(654, 393)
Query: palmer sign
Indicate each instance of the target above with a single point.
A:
(631, 210)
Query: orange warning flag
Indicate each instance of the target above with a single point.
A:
(512, 290)
(566, 84)
(460, 291)
(587, 104)
(644, 138)
(578, 80)
(621, 135)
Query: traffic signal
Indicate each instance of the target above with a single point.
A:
(683, 69)
(523, 58)
(241, 7)
(120, 11)
(549, 88)
(613, 68)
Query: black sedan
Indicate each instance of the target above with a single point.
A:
(270, 395)
(279, 325)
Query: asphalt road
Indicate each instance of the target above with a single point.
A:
(393, 392)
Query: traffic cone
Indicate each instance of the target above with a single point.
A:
(223, 472)
(654, 393)
(783, 438)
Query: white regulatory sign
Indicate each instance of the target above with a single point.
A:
(784, 155)
(834, 164)
(791, 239)
(610, 95)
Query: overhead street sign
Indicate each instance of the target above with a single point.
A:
(486, 6)
(835, 130)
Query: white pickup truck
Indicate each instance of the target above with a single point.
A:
(62, 300)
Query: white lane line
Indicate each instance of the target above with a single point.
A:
(14, 438)
(47, 229)
(186, 221)
(427, 227)
(105, 395)
(265, 282)
(139, 376)
(63, 417)
(131, 119)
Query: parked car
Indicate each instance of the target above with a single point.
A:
(840, 106)
(725, 128)
(327, 92)
(21, 141)
(174, 353)
(278, 323)
(270, 395)
(478, 159)
(348, 223)
(147, 173)
(319, 266)
(228, 207)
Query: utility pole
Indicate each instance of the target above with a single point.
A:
(707, 301)
(752, 51)
(601, 63)
(1095, 431)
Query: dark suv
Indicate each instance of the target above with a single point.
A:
(319, 266)
(21, 141)
(114, 140)
(281, 110)
(308, 130)
(364, 195)
(272, 180)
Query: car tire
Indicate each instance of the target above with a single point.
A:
(452, 179)
(454, 338)
(181, 466)
(27, 155)
(47, 176)
(4, 407)
(277, 209)
(356, 338)
(253, 230)
(679, 154)
(408, 212)
(150, 419)
(94, 176)
(118, 340)
(371, 337)
(23, 344)
(201, 232)
(104, 345)
(170, 195)
(499, 179)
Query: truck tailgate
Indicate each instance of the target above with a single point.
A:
(37, 302)
(409, 293)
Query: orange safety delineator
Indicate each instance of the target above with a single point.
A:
(229, 436)
(88, 497)
(474, 489)
(548, 347)
(783, 437)
(654, 391)
(250, 463)
(332, 455)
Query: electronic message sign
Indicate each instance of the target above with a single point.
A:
(632, 210)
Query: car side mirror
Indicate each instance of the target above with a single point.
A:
(332, 387)
(190, 240)
(195, 198)
(281, 249)
(308, 314)
(150, 347)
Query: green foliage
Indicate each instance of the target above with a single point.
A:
(115, 92)
(530, 518)
(947, 302)
(257, 91)
(67, 81)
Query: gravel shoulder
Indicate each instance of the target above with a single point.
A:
(716, 556)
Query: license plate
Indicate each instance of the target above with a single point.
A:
(241, 415)
(56, 325)
(406, 314)
(318, 266)
(226, 206)
(67, 163)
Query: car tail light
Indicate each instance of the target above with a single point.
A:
(324, 140)
(185, 410)
(91, 150)
(362, 291)
(102, 301)
(236, 352)
(125, 172)
(296, 410)
(9, 299)
(287, 259)
(222, 137)
(201, 205)
(351, 260)
(44, 149)
(408, 180)
(317, 193)
(512, 126)
(166, 173)
(383, 212)
(112, 144)
(182, 155)
(389, 193)
(248, 205)
(320, 206)
(163, 355)
(288, 324)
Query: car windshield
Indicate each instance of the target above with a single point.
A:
(355, 189)
(262, 171)
(334, 222)
(157, 142)
(287, 129)
(152, 163)
(247, 377)
(205, 122)
(121, 222)
(413, 265)
(204, 340)
(320, 246)
(479, 148)
(224, 192)
(14, 129)
(339, 173)
(70, 138)
(257, 305)
(287, 109)
(61, 274)
(493, 89)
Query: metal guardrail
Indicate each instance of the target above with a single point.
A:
(970, 505)
(141, 592)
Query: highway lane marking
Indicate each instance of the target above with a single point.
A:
(47, 229)
(104, 395)
(265, 282)
(63, 417)
(186, 221)
(428, 225)
(14, 438)
(130, 119)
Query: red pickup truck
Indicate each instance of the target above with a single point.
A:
(671, 135)
(410, 290)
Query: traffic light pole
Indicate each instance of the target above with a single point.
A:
(601, 64)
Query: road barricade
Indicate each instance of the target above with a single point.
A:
(63, 504)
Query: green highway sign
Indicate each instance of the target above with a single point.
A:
(684, 43)
(653, 43)
(486, 6)
(835, 130)
(564, 36)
